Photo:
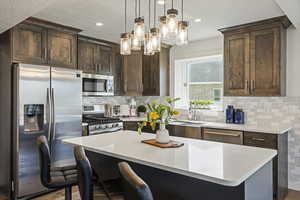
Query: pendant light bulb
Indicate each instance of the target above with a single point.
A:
(136, 44)
(155, 39)
(172, 22)
(164, 30)
(139, 28)
(125, 44)
(148, 49)
(182, 36)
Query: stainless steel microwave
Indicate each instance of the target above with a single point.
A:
(97, 85)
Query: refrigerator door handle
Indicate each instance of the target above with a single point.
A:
(49, 112)
(53, 114)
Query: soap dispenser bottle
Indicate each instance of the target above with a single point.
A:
(230, 114)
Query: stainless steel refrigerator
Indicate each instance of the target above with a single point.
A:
(47, 102)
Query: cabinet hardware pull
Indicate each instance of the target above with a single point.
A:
(222, 133)
(247, 85)
(252, 85)
(258, 139)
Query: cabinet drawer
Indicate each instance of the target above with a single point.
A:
(263, 140)
(225, 136)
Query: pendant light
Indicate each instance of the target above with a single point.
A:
(148, 50)
(139, 25)
(172, 21)
(182, 36)
(136, 43)
(155, 39)
(163, 24)
(125, 44)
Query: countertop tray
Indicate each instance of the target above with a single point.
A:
(171, 144)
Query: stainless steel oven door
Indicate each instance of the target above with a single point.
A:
(97, 85)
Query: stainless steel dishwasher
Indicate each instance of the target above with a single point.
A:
(221, 135)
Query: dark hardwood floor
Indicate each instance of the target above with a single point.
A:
(99, 195)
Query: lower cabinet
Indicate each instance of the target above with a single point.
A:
(133, 126)
(184, 131)
(280, 162)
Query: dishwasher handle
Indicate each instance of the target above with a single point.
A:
(224, 133)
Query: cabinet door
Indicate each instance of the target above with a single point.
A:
(236, 65)
(86, 56)
(106, 57)
(133, 74)
(62, 49)
(151, 75)
(29, 44)
(265, 62)
(118, 74)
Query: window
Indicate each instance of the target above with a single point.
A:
(199, 79)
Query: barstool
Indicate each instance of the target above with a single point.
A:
(85, 174)
(58, 177)
(134, 187)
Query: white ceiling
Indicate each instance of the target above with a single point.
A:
(13, 12)
(84, 14)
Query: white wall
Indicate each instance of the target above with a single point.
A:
(293, 61)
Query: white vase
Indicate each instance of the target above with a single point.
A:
(162, 135)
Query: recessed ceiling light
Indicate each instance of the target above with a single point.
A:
(198, 20)
(99, 24)
(161, 2)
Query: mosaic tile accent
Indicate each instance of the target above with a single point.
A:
(259, 111)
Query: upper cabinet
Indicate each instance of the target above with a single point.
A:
(39, 42)
(254, 58)
(94, 56)
(146, 75)
(30, 43)
(62, 49)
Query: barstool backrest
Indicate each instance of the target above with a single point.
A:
(134, 187)
(85, 174)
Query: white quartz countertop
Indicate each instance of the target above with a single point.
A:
(262, 128)
(224, 164)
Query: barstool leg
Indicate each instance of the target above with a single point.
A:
(68, 193)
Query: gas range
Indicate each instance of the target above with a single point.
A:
(98, 124)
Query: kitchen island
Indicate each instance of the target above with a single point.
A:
(198, 170)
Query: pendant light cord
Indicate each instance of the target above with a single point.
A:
(182, 10)
(149, 14)
(135, 8)
(165, 2)
(125, 15)
(154, 21)
(139, 8)
(172, 4)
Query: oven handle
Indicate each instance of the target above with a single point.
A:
(106, 131)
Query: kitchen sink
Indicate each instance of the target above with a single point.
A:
(187, 122)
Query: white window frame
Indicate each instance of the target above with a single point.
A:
(184, 103)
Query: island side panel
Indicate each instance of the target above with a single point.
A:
(260, 185)
(167, 185)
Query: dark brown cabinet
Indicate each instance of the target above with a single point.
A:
(280, 162)
(118, 71)
(94, 57)
(147, 75)
(30, 44)
(62, 49)
(254, 58)
(133, 73)
(39, 42)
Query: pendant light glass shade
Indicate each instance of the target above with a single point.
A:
(163, 27)
(182, 36)
(139, 28)
(125, 44)
(172, 23)
(155, 39)
(136, 44)
(148, 50)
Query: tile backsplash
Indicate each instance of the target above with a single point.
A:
(273, 111)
